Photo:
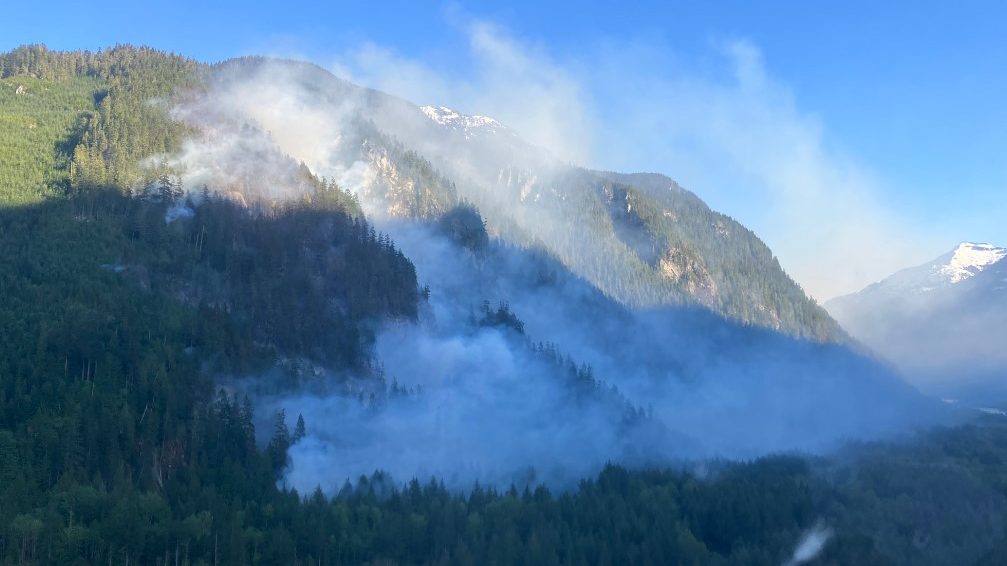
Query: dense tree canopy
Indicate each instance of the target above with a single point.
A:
(123, 294)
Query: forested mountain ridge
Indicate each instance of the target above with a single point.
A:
(128, 293)
(140, 304)
(124, 294)
(103, 171)
(639, 238)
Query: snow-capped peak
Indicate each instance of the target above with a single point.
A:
(468, 125)
(969, 258)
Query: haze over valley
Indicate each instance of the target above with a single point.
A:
(293, 309)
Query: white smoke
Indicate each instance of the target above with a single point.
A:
(178, 211)
(729, 131)
(810, 545)
(488, 409)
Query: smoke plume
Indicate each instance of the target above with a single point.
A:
(550, 381)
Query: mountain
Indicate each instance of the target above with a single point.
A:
(942, 322)
(248, 195)
(641, 239)
(193, 256)
(681, 309)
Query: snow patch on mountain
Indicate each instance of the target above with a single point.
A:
(964, 262)
(469, 126)
(941, 323)
(969, 259)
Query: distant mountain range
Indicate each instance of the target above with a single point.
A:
(942, 323)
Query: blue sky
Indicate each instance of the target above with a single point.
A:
(893, 113)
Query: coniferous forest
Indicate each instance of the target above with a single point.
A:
(125, 295)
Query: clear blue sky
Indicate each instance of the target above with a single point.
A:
(913, 92)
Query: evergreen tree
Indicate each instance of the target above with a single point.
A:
(299, 430)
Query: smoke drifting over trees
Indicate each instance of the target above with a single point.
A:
(225, 282)
(579, 379)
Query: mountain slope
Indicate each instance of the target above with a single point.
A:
(177, 272)
(636, 285)
(37, 120)
(639, 238)
(941, 322)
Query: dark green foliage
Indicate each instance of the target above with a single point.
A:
(38, 120)
(101, 387)
(299, 430)
(938, 500)
(502, 316)
(115, 448)
(111, 315)
(302, 277)
(751, 513)
(749, 282)
(96, 386)
(129, 87)
(464, 226)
